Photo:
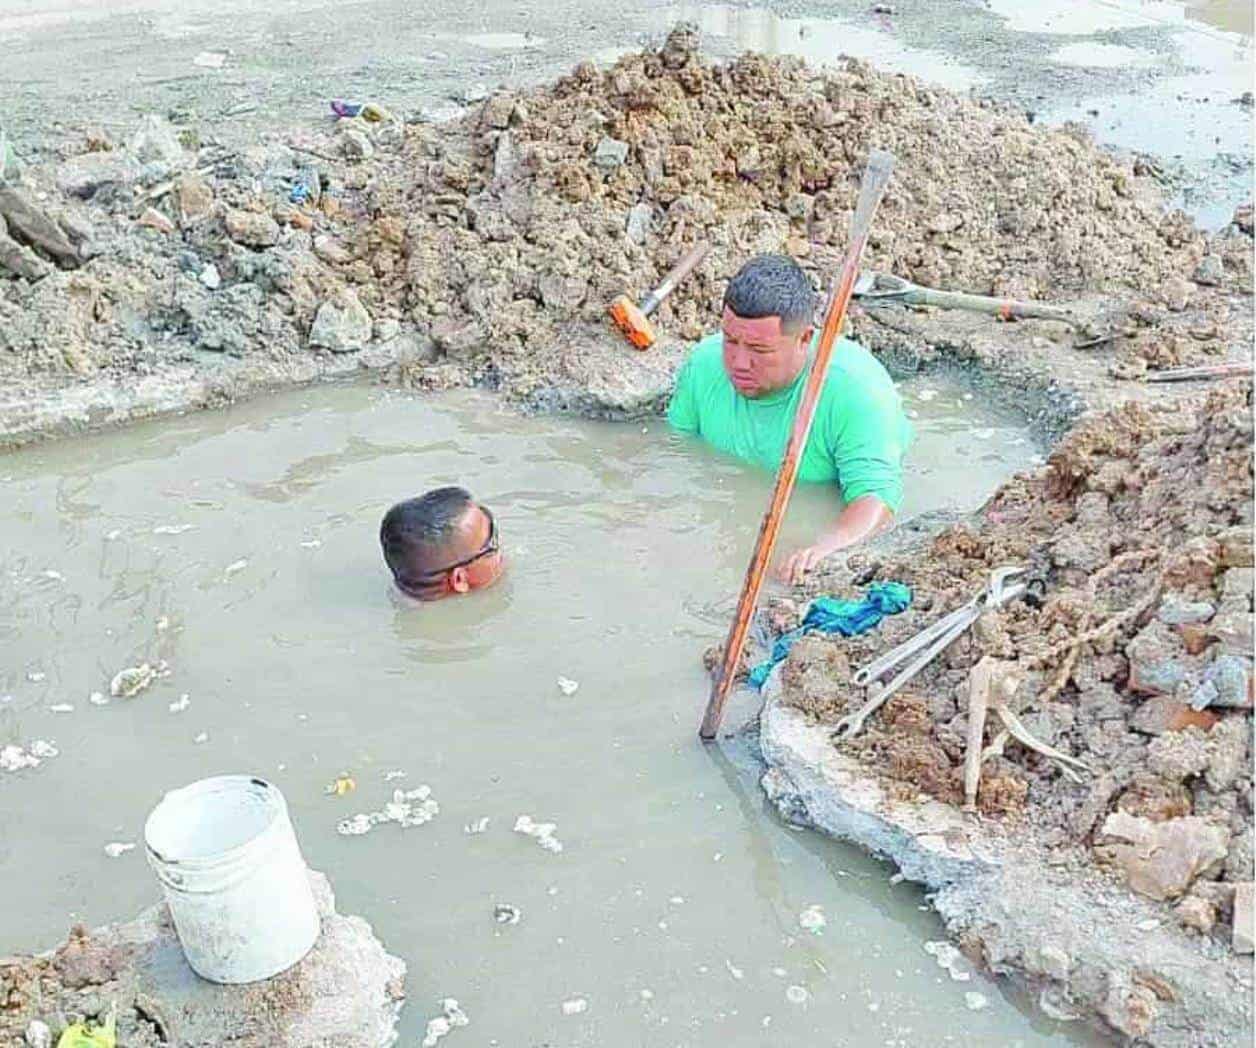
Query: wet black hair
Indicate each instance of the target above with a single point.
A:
(415, 534)
(772, 286)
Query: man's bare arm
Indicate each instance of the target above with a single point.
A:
(858, 521)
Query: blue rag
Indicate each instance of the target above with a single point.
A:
(831, 615)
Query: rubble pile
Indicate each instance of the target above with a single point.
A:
(489, 245)
(1137, 661)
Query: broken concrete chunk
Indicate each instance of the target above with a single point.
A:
(1197, 914)
(38, 1035)
(1227, 682)
(610, 154)
(497, 111)
(156, 142)
(1157, 661)
(1244, 936)
(1227, 753)
(341, 324)
(1160, 860)
(451, 1017)
(1177, 755)
(1174, 611)
(1240, 864)
(329, 249)
(1236, 547)
(19, 260)
(84, 176)
(356, 145)
(251, 228)
(459, 339)
(1237, 584)
(28, 224)
(1210, 272)
(637, 228)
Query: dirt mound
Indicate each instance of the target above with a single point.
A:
(487, 249)
(1137, 662)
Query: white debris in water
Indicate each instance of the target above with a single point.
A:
(36, 676)
(452, 1017)
(975, 1001)
(113, 535)
(677, 900)
(235, 566)
(14, 758)
(38, 1035)
(181, 703)
(390, 775)
(162, 624)
(927, 394)
(132, 680)
(311, 544)
(478, 826)
(568, 686)
(56, 576)
(542, 831)
(116, 849)
(780, 973)
(172, 529)
(407, 808)
(733, 970)
(202, 737)
(504, 913)
(984, 433)
(575, 1006)
(948, 958)
(61, 707)
(796, 994)
(97, 699)
(647, 995)
(812, 919)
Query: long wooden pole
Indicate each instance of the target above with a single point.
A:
(876, 177)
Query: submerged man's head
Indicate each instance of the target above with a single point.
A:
(440, 543)
(769, 309)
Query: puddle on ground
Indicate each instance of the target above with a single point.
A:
(820, 41)
(241, 547)
(1081, 17)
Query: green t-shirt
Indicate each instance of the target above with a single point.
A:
(857, 439)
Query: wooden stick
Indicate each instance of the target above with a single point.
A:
(876, 177)
(1204, 371)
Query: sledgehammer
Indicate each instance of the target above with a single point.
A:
(634, 320)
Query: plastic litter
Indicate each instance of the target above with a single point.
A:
(452, 1017)
(340, 785)
(504, 913)
(116, 849)
(734, 971)
(131, 681)
(56, 576)
(949, 959)
(36, 676)
(832, 615)
(975, 1001)
(812, 919)
(181, 703)
(542, 831)
(575, 1006)
(202, 737)
(97, 698)
(796, 994)
(368, 111)
(235, 566)
(210, 59)
(568, 686)
(478, 826)
(81, 1035)
(61, 707)
(14, 758)
(407, 808)
(172, 529)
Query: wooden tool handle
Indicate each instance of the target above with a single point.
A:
(675, 275)
(876, 177)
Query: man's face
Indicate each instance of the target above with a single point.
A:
(760, 358)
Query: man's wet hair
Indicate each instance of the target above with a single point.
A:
(416, 534)
(772, 286)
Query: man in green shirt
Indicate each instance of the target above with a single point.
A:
(739, 389)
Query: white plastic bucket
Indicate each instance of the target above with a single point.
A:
(237, 887)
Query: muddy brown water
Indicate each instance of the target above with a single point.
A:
(241, 547)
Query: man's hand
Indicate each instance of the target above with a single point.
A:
(858, 521)
(804, 560)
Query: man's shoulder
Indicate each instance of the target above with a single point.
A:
(855, 368)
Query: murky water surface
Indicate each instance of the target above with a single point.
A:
(241, 547)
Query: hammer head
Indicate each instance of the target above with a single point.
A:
(632, 322)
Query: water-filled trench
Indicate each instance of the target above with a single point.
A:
(241, 548)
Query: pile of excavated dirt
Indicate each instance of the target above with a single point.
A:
(486, 249)
(1137, 661)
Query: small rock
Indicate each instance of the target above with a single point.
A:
(84, 176)
(1210, 272)
(329, 249)
(1240, 864)
(1237, 584)
(610, 154)
(356, 145)
(497, 111)
(1177, 293)
(1160, 860)
(1155, 668)
(1244, 922)
(387, 329)
(210, 278)
(458, 339)
(1227, 753)
(1054, 962)
(1197, 914)
(640, 217)
(154, 219)
(1227, 682)
(796, 994)
(1236, 547)
(341, 324)
(1177, 755)
(195, 199)
(38, 1035)
(1177, 612)
(1162, 713)
(131, 681)
(471, 94)
(252, 228)
(156, 142)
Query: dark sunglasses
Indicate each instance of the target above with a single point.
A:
(490, 547)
